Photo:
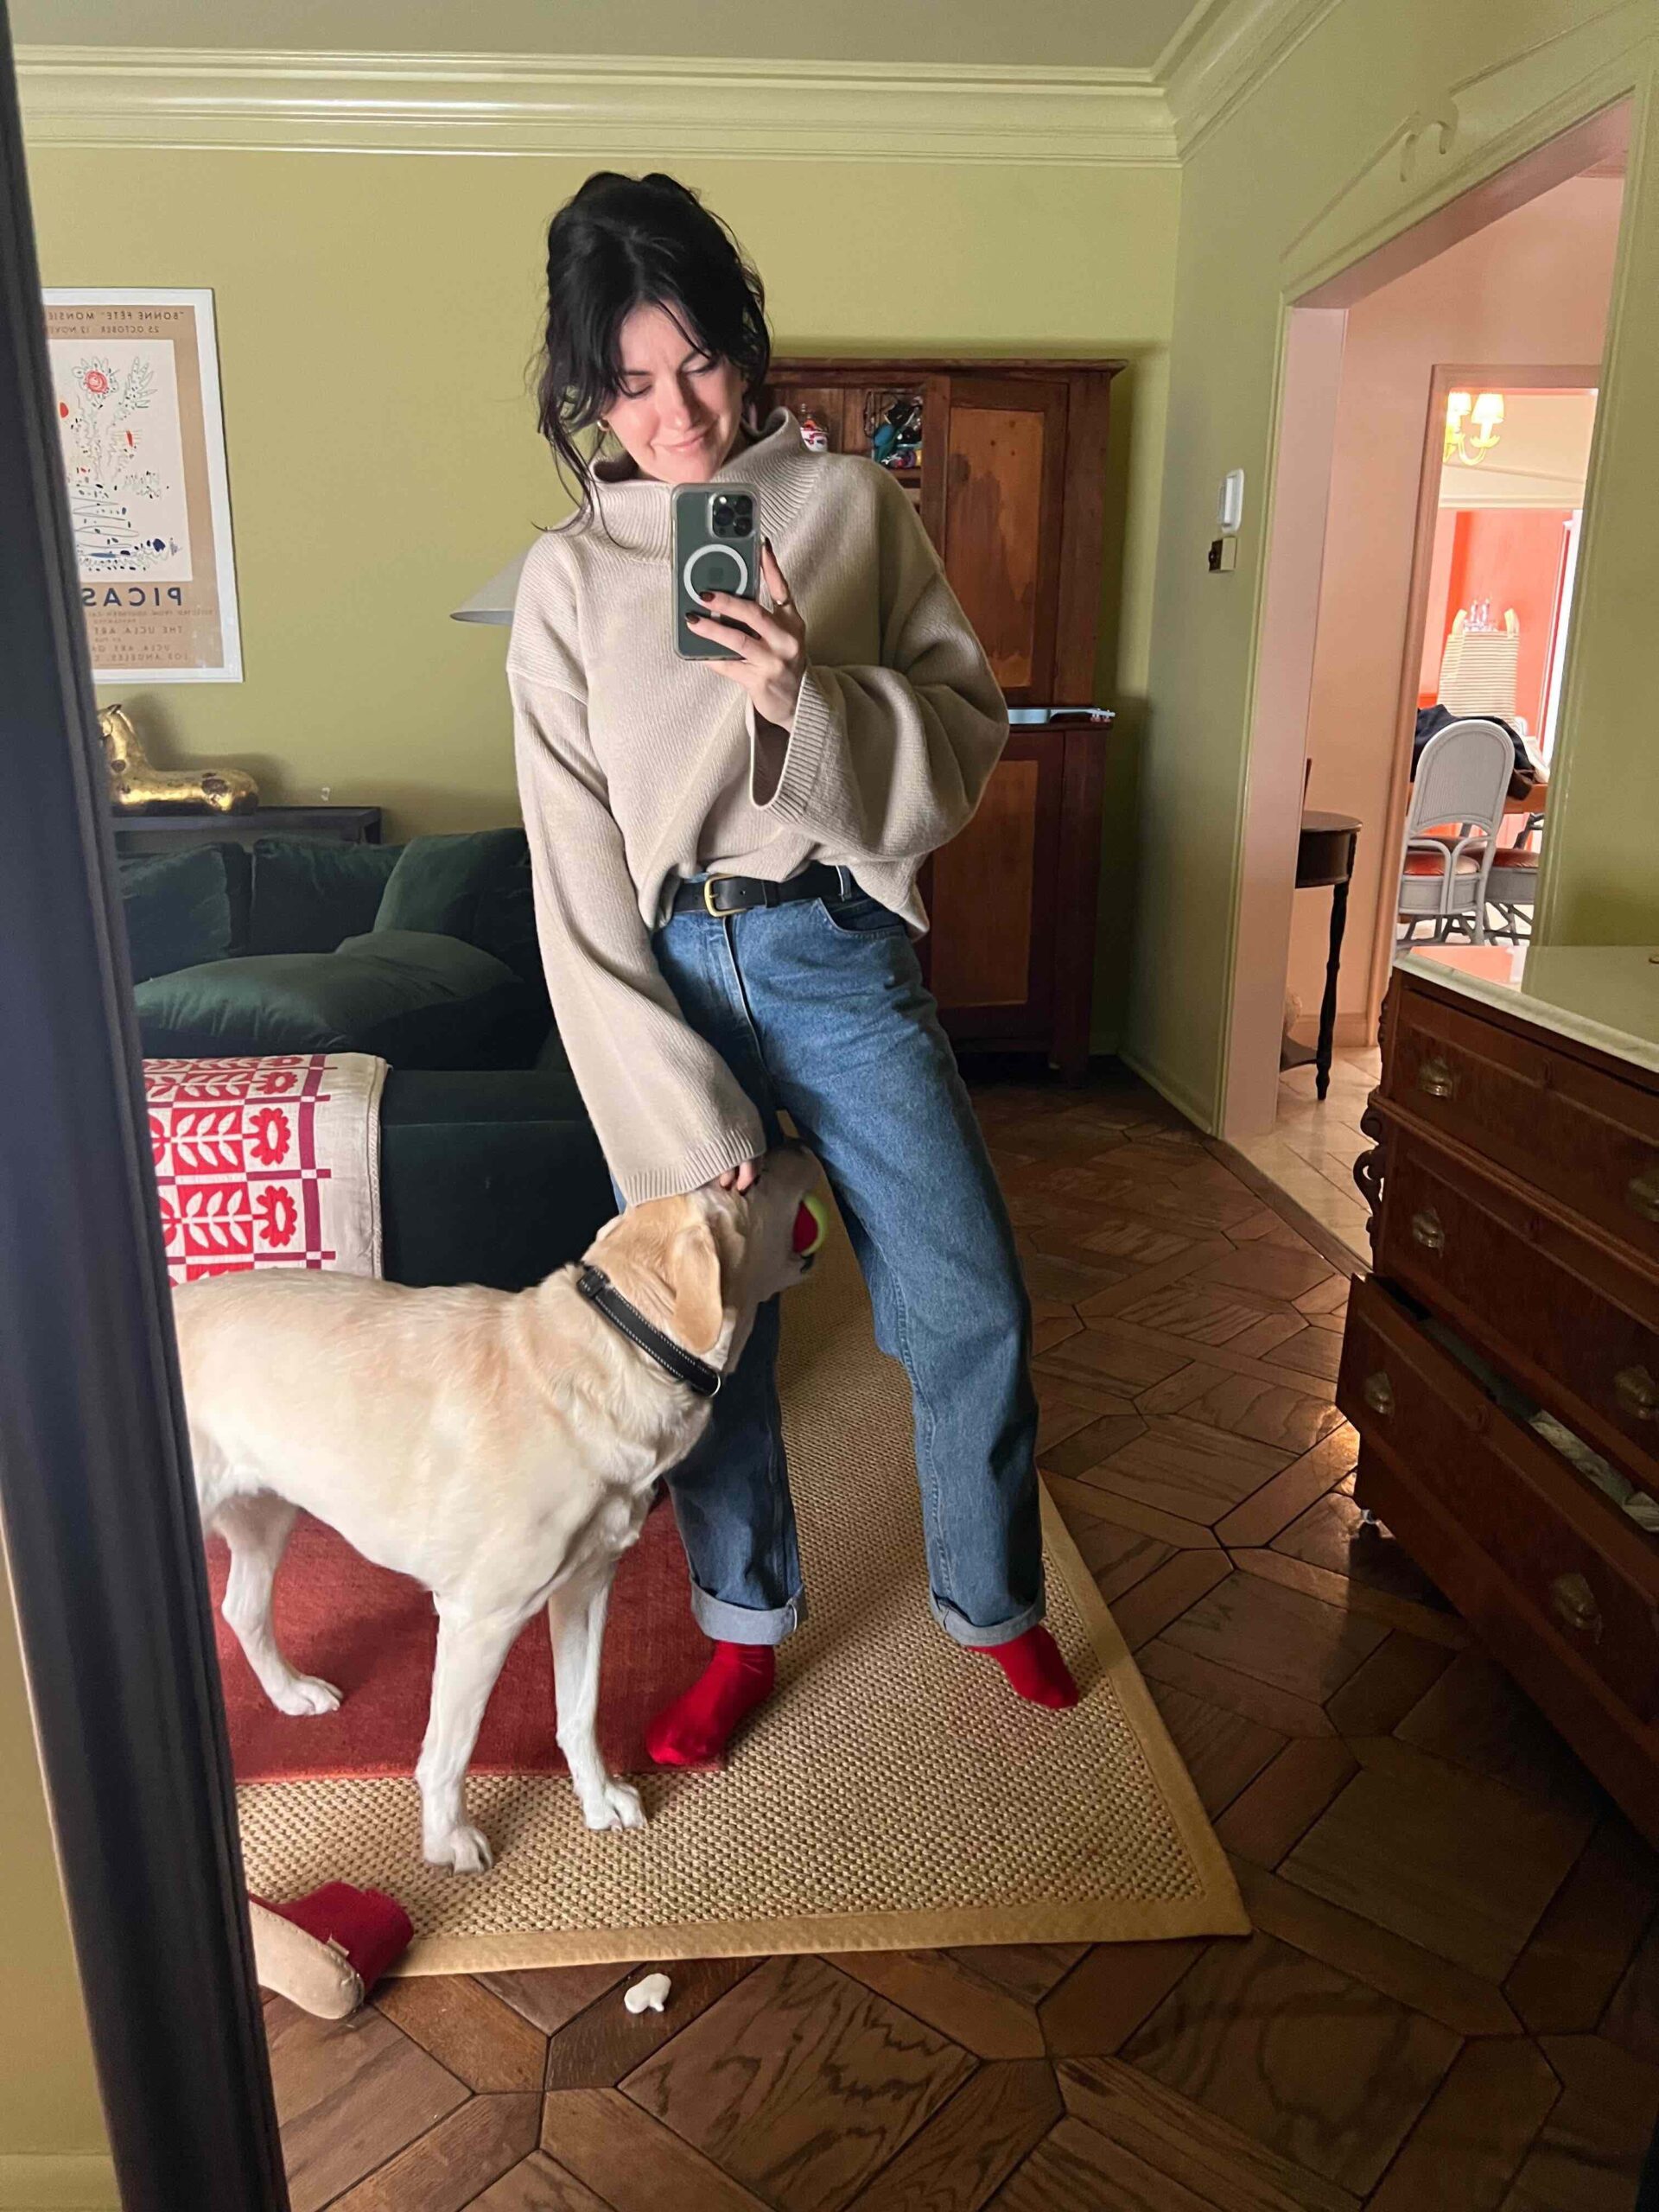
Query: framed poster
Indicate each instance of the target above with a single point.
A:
(135, 375)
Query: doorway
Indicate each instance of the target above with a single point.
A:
(1438, 411)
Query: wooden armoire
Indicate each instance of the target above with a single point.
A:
(1009, 480)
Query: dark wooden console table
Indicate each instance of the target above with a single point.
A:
(172, 833)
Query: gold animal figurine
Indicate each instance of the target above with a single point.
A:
(137, 788)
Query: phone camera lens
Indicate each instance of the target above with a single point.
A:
(730, 515)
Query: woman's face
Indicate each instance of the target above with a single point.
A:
(678, 410)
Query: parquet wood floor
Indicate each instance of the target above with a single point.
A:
(1451, 2000)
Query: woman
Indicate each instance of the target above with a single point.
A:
(724, 855)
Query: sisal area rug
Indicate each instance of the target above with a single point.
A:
(895, 1795)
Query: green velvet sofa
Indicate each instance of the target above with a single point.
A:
(425, 955)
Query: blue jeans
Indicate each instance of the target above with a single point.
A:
(818, 1007)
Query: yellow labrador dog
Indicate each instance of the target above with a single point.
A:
(499, 1448)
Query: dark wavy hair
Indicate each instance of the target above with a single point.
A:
(623, 242)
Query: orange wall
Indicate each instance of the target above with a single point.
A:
(1512, 556)
(1531, 288)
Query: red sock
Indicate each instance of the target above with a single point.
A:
(1033, 1665)
(695, 1729)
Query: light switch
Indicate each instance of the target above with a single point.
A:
(1229, 507)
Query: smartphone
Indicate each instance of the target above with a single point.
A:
(716, 548)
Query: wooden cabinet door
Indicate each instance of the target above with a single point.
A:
(991, 895)
(1003, 495)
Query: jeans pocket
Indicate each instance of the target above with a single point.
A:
(861, 915)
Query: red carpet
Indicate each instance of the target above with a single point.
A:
(372, 1633)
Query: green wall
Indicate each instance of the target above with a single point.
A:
(376, 314)
(1302, 176)
(53, 2149)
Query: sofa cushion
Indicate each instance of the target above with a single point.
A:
(488, 1177)
(310, 893)
(439, 882)
(177, 909)
(505, 923)
(417, 999)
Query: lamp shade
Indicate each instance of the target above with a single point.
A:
(493, 601)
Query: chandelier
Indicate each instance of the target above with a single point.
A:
(1480, 414)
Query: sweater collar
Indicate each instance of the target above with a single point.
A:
(635, 510)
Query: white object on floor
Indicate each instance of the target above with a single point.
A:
(649, 1995)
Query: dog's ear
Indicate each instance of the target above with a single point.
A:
(694, 1278)
(664, 1254)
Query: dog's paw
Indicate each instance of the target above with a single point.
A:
(308, 1694)
(616, 1806)
(465, 1850)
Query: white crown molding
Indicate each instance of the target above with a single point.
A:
(1223, 51)
(614, 106)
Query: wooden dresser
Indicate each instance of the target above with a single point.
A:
(1515, 1188)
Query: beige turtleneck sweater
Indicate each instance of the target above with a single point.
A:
(637, 768)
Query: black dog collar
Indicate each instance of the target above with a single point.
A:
(696, 1373)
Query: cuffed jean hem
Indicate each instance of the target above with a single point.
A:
(727, 1624)
(961, 1630)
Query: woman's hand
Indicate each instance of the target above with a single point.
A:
(772, 644)
(738, 1178)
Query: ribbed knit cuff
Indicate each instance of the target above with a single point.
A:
(730, 1148)
(812, 736)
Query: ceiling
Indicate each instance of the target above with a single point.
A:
(1058, 34)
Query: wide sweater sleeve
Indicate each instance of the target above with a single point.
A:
(891, 761)
(668, 1113)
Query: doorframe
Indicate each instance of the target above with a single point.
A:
(1540, 151)
(1444, 378)
(102, 1535)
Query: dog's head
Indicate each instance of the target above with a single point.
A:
(698, 1265)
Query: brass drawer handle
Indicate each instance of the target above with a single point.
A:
(1637, 1393)
(1643, 1192)
(1428, 1230)
(1378, 1393)
(1575, 1602)
(1436, 1079)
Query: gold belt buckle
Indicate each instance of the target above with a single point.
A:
(708, 905)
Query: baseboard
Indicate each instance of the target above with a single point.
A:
(58, 2181)
(1186, 1102)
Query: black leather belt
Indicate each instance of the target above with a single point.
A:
(736, 894)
